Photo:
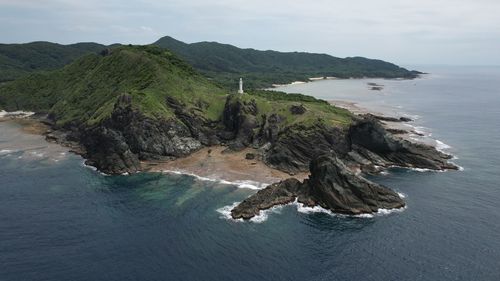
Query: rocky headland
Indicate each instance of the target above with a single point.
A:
(153, 107)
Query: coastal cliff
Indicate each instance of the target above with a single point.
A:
(133, 104)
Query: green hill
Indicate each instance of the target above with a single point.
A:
(220, 62)
(225, 63)
(133, 103)
(86, 90)
(17, 60)
(129, 104)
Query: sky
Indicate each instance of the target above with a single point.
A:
(407, 32)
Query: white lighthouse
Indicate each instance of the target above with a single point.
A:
(240, 91)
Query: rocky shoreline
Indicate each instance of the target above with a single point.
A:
(331, 186)
(120, 143)
(335, 156)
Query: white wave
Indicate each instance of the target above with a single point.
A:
(226, 212)
(6, 151)
(401, 195)
(441, 146)
(4, 113)
(264, 214)
(239, 183)
(460, 168)
(421, 170)
(93, 168)
(421, 130)
(412, 116)
(37, 154)
(301, 208)
(84, 164)
(260, 218)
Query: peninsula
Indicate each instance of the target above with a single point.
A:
(126, 105)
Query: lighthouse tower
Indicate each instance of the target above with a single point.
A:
(240, 91)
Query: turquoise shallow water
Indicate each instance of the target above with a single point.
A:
(62, 221)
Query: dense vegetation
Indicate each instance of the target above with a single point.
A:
(226, 63)
(222, 63)
(86, 91)
(17, 60)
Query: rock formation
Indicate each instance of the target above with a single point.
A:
(331, 185)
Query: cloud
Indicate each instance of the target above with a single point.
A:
(425, 31)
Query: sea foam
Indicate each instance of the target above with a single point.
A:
(225, 212)
(4, 113)
(239, 183)
(6, 151)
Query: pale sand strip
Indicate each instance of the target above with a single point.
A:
(230, 166)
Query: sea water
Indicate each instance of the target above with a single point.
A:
(62, 221)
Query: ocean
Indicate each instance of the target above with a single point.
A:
(60, 220)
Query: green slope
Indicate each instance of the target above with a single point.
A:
(86, 90)
(17, 60)
(220, 62)
(225, 63)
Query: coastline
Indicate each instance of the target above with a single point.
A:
(316, 79)
(216, 163)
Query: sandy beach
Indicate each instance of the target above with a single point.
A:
(219, 165)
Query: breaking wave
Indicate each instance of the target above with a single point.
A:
(239, 183)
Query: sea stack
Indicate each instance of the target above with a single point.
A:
(331, 185)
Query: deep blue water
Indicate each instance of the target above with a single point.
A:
(62, 221)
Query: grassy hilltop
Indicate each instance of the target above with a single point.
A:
(86, 91)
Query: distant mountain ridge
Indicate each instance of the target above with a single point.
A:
(222, 63)
(225, 63)
(17, 60)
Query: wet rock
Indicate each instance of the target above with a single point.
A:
(296, 146)
(387, 118)
(276, 194)
(298, 109)
(371, 140)
(335, 187)
(250, 156)
(117, 144)
(240, 119)
(331, 185)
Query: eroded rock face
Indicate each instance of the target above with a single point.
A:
(117, 144)
(335, 187)
(276, 194)
(331, 185)
(298, 109)
(240, 120)
(371, 141)
(366, 143)
(296, 146)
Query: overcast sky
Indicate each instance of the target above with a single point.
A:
(462, 32)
